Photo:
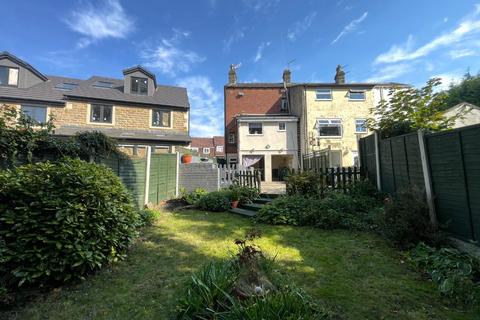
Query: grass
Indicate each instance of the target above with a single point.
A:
(356, 273)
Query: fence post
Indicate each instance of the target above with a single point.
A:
(147, 174)
(377, 160)
(427, 179)
(177, 175)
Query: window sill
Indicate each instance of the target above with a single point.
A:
(101, 123)
(329, 137)
(155, 127)
(254, 134)
(358, 100)
(323, 99)
(364, 132)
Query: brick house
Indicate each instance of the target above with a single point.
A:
(213, 147)
(260, 130)
(134, 110)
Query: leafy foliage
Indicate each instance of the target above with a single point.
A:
(411, 109)
(146, 217)
(192, 197)
(23, 140)
(245, 194)
(468, 90)
(215, 201)
(60, 221)
(305, 183)
(406, 219)
(356, 211)
(456, 274)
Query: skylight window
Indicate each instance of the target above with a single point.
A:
(103, 84)
(66, 86)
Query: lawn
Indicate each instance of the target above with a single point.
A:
(356, 273)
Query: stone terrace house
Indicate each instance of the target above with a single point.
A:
(213, 147)
(135, 110)
(260, 130)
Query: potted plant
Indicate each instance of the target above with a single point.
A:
(234, 198)
(187, 157)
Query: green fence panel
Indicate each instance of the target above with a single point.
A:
(448, 181)
(471, 159)
(386, 165)
(399, 162)
(415, 170)
(163, 175)
(367, 158)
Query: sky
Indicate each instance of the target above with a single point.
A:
(192, 43)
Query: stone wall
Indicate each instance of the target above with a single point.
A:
(198, 175)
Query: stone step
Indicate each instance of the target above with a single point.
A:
(262, 200)
(252, 206)
(269, 195)
(243, 212)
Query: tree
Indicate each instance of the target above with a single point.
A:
(411, 109)
(468, 90)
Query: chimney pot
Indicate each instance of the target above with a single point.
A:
(339, 75)
(287, 76)
(232, 75)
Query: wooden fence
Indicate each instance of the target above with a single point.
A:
(248, 178)
(446, 165)
(316, 160)
(227, 173)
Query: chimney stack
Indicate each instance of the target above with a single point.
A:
(340, 75)
(232, 75)
(287, 76)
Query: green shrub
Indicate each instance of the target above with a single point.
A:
(456, 274)
(245, 194)
(305, 183)
(146, 217)
(194, 196)
(62, 220)
(288, 210)
(406, 220)
(215, 201)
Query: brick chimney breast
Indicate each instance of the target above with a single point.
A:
(339, 75)
(287, 76)
(232, 75)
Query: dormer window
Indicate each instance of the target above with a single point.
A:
(139, 85)
(8, 76)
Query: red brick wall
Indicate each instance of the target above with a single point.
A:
(254, 101)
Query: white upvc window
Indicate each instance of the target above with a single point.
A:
(323, 94)
(282, 126)
(360, 126)
(329, 128)
(356, 95)
(231, 138)
(194, 149)
(219, 149)
(255, 128)
(206, 151)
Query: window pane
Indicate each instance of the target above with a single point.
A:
(134, 85)
(357, 95)
(219, 148)
(143, 86)
(281, 126)
(255, 128)
(96, 113)
(231, 138)
(139, 85)
(329, 131)
(160, 118)
(360, 125)
(38, 114)
(324, 94)
(3, 76)
(107, 114)
(13, 77)
(165, 119)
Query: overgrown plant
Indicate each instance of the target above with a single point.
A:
(215, 201)
(410, 109)
(457, 274)
(193, 196)
(245, 194)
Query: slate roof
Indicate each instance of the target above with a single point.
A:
(46, 92)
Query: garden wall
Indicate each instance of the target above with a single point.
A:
(198, 175)
(445, 164)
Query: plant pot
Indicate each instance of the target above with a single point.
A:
(187, 158)
(234, 204)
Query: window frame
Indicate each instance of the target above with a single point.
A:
(231, 138)
(152, 125)
(364, 92)
(194, 149)
(218, 148)
(340, 125)
(364, 124)
(8, 77)
(67, 86)
(255, 134)
(102, 111)
(284, 126)
(323, 99)
(283, 104)
(37, 107)
(205, 148)
(132, 79)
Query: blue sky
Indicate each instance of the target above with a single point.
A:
(192, 43)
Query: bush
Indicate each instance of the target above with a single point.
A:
(245, 194)
(146, 217)
(289, 210)
(305, 183)
(456, 274)
(194, 196)
(406, 220)
(215, 201)
(60, 221)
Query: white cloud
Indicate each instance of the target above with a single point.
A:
(467, 28)
(108, 20)
(260, 49)
(206, 109)
(236, 36)
(390, 72)
(260, 5)
(352, 26)
(168, 57)
(301, 26)
(460, 53)
(448, 78)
